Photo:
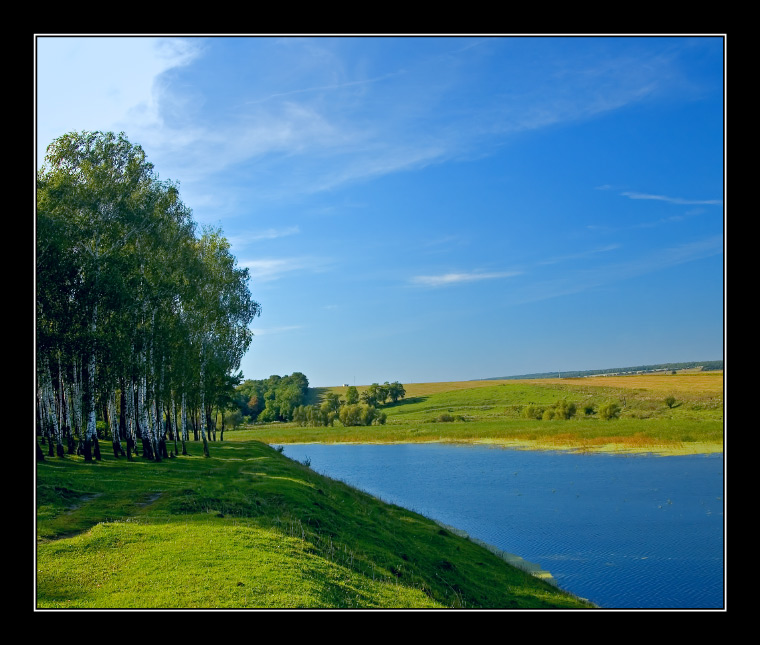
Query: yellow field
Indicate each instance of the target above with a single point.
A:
(699, 383)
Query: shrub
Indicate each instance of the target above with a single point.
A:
(564, 409)
(531, 411)
(670, 401)
(233, 418)
(610, 410)
(445, 418)
(548, 414)
(361, 415)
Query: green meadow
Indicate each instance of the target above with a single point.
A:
(662, 414)
(250, 528)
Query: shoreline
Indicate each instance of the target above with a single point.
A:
(695, 448)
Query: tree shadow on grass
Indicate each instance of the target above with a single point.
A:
(407, 401)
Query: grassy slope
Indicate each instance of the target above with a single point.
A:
(250, 528)
(489, 412)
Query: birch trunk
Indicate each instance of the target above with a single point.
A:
(64, 411)
(145, 430)
(91, 432)
(130, 419)
(203, 414)
(50, 398)
(184, 424)
(75, 396)
(113, 423)
(175, 427)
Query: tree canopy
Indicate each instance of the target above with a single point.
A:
(130, 298)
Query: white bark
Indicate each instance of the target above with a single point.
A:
(92, 430)
(75, 398)
(183, 421)
(114, 422)
(129, 410)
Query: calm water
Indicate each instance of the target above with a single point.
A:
(621, 531)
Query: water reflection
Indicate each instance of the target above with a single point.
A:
(622, 531)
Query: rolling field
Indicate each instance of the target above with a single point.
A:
(493, 412)
(250, 528)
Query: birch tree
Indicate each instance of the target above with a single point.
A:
(129, 301)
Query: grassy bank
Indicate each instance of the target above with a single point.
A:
(663, 414)
(249, 528)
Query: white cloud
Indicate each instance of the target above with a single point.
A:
(448, 279)
(99, 83)
(672, 200)
(270, 269)
(273, 233)
(268, 331)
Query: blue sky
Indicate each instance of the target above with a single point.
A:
(434, 208)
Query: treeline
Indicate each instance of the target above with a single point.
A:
(284, 398)
(272, 399)
(141, 323)
(659, 367)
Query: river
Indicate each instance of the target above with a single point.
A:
(626, 532)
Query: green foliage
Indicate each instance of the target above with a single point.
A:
(352, 395)
(562, 409)
(670, 401)
(609, 410)
(359, 414)
(128, 296)
(396, 391)
(272, 399)
(565, 409)
(531, 411)
(377, 395)
(233, 418)
(312, 416)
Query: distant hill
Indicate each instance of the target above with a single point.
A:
(640, 369)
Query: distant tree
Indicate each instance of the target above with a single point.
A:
(670, 401)
(609, 411)
(376, 394)
(331, 403)
(350, 414)
(531, 411)
(233, 418)
(396, 391)
(565, 409)
(300, 381)
(361, 415)
(371, 395)
(352, 395)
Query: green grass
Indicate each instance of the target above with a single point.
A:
(491, 412)
(250, 528)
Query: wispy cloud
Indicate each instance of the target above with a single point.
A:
(270, 269)
(580, 256)
(269, 331)
(324, 88)
(673, 200)
(90, 83)
(449, 279)
(273, 233)
(579, 281)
